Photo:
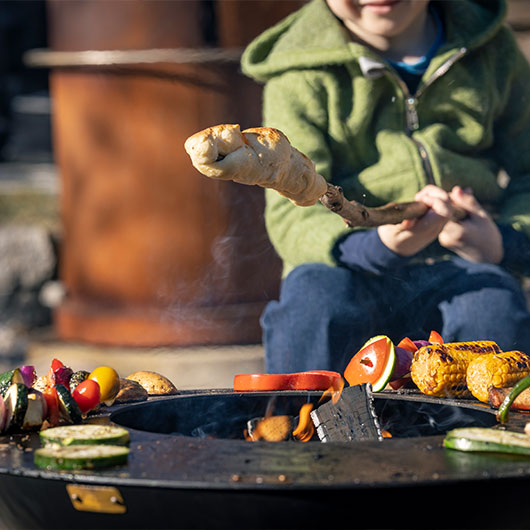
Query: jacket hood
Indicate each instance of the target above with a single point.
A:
(293, 44)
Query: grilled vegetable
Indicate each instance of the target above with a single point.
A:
(52, 403)
(440, 369)
(68, 408)
(109, 383)
(374, 363)
(35, 411)
(435, 338)
(58, 373)
(28, 374)
(78, 377)
(311, 380)
(9, 378)
(40, 383)
(3, 414)
(87, 394)
(489, 440)
(407, 344)
(81, 456)
(521, 386)
(16, 402)
(85, 435)
(498, 370)
(62, 375)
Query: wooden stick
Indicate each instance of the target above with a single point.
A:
(355, 214)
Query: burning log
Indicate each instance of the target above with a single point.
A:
(264, 157)
(351, 418)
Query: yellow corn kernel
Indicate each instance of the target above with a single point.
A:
(440, 369)
(499, 370)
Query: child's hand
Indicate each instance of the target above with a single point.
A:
(477, 238)
(411, 236)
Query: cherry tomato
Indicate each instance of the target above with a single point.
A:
(87, 394)
(109, 382)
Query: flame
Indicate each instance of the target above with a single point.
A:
(386, 434)
(305, 429)
(334, 391)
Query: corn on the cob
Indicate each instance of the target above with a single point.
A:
(499, 370)
(440, 369)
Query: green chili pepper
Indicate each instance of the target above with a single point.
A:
(502, 413)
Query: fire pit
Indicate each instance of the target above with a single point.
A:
(191, 467)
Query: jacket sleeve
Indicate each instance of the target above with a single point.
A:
(301, 234)
(512, 141)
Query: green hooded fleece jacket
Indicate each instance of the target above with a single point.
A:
(347, 109)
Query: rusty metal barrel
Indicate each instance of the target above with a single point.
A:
(153, 253)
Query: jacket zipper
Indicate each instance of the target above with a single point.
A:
(411, 111)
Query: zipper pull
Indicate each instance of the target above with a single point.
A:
(412, 114)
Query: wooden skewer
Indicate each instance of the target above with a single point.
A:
(355, 214)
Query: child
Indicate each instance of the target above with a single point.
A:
(396, 100)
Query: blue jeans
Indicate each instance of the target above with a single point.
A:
(325, 314)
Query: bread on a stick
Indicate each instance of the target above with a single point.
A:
(260, 156)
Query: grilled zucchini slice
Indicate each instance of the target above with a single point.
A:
(81, 456)
(10, 378)
(89, 434)
(16, 403)
(78, 377)
(488, 440)
(68, 408)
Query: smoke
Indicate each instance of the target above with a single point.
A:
(408, 418)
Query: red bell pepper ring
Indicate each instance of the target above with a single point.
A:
(310, 380)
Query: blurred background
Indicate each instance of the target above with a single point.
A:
(113, 249)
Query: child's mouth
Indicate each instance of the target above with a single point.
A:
(380, 8)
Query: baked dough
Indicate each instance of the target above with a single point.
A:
(260, 156)
(130, 391)
(155, 384)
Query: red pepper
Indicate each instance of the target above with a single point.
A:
(52, 403)
(407, 344)
(56, 364)
(435, 338)
(310, 380)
